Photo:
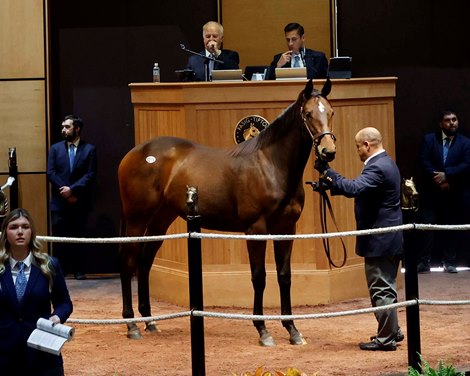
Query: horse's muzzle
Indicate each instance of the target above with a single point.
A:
(327, 155)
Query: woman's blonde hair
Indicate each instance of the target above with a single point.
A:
(41, 259)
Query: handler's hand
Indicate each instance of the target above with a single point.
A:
(321, 166)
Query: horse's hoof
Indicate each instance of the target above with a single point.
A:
(297, 339)
(266, 340)
(152, 327)
(134, 334)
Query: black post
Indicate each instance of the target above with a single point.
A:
(412, 291)
(13, 172)
(195, 285)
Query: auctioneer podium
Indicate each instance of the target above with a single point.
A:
(208, 113)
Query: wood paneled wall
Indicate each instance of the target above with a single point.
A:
(256, 28)
(23, 101)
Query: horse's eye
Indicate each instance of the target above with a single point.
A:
(308, 115)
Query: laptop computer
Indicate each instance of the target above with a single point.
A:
(340, 67)
(264, 70)
(291, 73)
(227, 75)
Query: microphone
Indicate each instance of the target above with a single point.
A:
(182, 46)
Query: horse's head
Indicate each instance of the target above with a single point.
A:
(317, 115)
(409, 195)
(192, 200)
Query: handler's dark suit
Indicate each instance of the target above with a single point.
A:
(18, 320)
(197, 63)
(69, 219)
(377, 204)
(315, 61)
(444, 207)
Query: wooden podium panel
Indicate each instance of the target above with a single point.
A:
(207, 113)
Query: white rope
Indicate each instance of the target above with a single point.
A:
(126, 239)
(129, 321)
(443, 302)
(198, 235)
(381, 230)
(425, 226)
(236, 316)
(259, 237)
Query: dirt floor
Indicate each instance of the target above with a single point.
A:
(231, 346)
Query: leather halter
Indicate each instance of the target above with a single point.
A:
(316, 138)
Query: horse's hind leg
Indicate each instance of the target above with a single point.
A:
(144, 266)
(257, 254)
(127, 268)
(282, 254)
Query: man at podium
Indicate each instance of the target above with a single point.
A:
(298, 56)
(213, 36)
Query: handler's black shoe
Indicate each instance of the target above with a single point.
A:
(399, 338)
(375, 346)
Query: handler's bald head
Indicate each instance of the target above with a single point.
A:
(370, 134)
(368, 142)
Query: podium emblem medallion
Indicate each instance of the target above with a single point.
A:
(249, 127)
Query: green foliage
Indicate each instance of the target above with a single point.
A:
(443, 369)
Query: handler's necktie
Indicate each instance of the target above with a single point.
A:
(446, 148)
(21, 281)
(296, 61)
(71, 156)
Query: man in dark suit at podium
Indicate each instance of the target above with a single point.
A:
(299, 56)
(213, 36)
(71, 170)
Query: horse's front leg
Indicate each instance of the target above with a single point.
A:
(257, 255)
(144, 265)
(127, 267)
(282, 254)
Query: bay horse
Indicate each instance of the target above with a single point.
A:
(254, 187)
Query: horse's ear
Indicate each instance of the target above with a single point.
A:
(308, 89)
(326, 88)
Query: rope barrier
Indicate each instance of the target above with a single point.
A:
(237, 316)
(126, 239)
(200, 235)
(130, 321)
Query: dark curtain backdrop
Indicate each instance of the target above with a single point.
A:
(99, 47)
(423, 43)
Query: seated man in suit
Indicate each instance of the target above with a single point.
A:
(299, 56)
(213, 36)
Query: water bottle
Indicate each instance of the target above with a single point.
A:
(156, 73)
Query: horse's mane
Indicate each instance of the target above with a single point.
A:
(277, 129)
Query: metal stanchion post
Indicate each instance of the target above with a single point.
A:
(195, 285)
(412, 292)
(13, 172)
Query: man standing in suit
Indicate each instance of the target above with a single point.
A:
(376, 193)
(213, 36)
(445, 197)
(299, 56)
(71, 170)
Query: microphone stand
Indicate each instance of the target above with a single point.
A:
(207, 59)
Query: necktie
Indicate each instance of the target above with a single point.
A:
(71, 156)
(211, 65)
(446, 148)
(296, 61)
(21, 281)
